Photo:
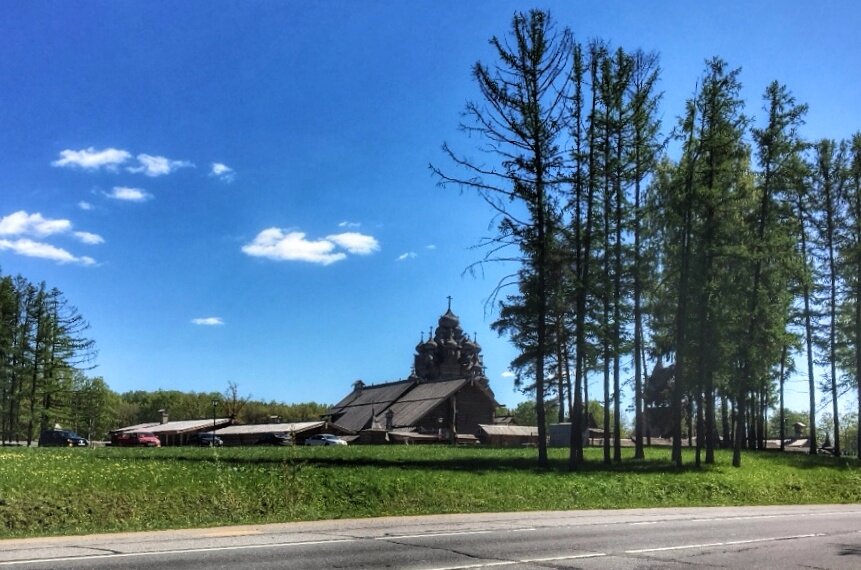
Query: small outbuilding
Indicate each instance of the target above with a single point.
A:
(251, 434)
(508, 435)
(177, 432)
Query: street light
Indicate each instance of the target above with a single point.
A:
(214, 406)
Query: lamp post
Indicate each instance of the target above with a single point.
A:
(214, 406)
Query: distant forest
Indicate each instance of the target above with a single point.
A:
(722, 248)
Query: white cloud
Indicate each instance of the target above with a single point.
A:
(208, 321)
(430, 247)
(283, 245)
(507, 374)
(92, 159)
(274, 243)
(86, 206)
(30, 248)
(222, 172)
(89, 238)
(129, 194)
(22, 223)
(407, 255)
(158, 165)
(22, 226)
(355, 242)
(346, 224)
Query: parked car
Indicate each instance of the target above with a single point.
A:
(61, 438)
(135, 439)
(207, 440)
(325, 439)
(275, 439)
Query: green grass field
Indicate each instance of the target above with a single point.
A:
(76, 491)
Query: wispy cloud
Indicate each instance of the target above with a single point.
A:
(18, 229)
(111, 158)
(222, 172)
(86, 206)
(346, 224)
(430, 247)
(22, 223)
(92, 159)
(407, 255)
(89, 238)
(30, 248)
(354, 242)
(127, 194)
(507, 374)
(158, 165)
(284, 245)
(208, 321)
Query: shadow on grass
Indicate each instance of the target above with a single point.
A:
(807, 461)
(472, 464)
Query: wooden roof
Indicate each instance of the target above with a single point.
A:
(509, 430)
(419, 401)
(261, 429)
(357, 410)
(186, 426)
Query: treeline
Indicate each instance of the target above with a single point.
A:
(721, 249)
(146, 406)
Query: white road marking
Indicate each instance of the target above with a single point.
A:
(777, 516)
(643, 523)
(479, 565)
(523, 561)
(727, 543)
(557, 558)
(177, 551)
(434, 534)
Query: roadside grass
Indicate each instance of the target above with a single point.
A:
(76, 491)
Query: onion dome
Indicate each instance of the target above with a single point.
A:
(449, 320)
(450, 342)
(430, 345)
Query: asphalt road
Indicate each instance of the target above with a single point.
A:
(827, 536)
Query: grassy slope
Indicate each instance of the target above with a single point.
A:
(74, 491)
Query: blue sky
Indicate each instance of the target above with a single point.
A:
(239, 191)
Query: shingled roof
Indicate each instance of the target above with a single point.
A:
(419, 401)
(356, 411)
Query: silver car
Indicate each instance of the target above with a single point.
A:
(325, 439)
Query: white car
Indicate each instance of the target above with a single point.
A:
(325, 439)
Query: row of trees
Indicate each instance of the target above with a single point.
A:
(42, 352)
(726, 262)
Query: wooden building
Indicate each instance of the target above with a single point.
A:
(177, 432)
(446, 397)
(508, 435)
(250, 434)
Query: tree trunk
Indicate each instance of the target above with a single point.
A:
(782, 409)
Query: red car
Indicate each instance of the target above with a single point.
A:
(135, 439)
